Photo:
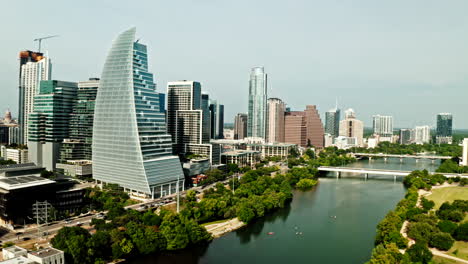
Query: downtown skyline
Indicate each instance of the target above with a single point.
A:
(378, 85)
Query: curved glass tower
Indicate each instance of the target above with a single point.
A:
(256, 123)
(131, 146)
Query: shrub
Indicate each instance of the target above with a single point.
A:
(461, 233)
(419, 253)
(305, 184)
(442, 241)
(420, 231)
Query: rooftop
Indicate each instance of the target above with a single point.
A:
(46, 252)
(12, 183)
(239, 152)
(15, 249)
(18, 260)
(18, 167)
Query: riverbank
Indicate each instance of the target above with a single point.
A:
(220, 229)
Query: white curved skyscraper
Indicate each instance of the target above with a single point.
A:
(256, 123)
(131, 146)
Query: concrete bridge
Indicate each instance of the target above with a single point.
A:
(367, 171)
(400, 156)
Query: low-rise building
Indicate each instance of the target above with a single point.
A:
(18, 260)
(76, 168)
(272, 149)
(14, 252)
(241, 157)
(47, 256)
(196, 167)
(342, 142)
(465, 152)
(18, 155)
(20, 170)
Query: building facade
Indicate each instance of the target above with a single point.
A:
(422, 134)
(216, 119)
(48, 124)
(34, 68)
(304, 128)
(275, 120)
(315, 132)
(131, 146)
(350, 127)
(406, 136)
(382, 125)
(332, 122)
(18, 155)
(444, 128)
(256, 123)
(240, 126)
(465, 152)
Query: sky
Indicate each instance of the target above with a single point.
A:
(403, 58)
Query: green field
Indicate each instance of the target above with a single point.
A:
(448, 194)
(441, 260)
(461, 249)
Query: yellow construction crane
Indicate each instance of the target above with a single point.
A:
(40, 40)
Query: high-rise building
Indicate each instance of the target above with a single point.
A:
(351, 127)
(465, 152)
(406, 136)
(275, 120)
(78, 145)
(256, 123)
(48, 124)
(422, 134)
(240, 126)
(205, 106)
(444, 128)
(315, 131)
(34, 67)
(182, 96)
(382, 125)
(131, 146)
(332, 122)
(217, 119)
(295, 129)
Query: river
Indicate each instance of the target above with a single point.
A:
(306, 231)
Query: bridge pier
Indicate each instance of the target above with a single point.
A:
(338, 174)
(370, 159)
(401, 160)
(385, 159)
(417, 160)
(433, 161)
(366, 176)
(394, 178)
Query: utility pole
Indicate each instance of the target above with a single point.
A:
(41, 213)
(39, 40)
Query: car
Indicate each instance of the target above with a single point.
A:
(67, 221)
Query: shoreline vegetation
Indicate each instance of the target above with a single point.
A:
(126, 234)
(416, 230)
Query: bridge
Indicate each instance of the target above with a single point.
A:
(367, 171)
(400, 156)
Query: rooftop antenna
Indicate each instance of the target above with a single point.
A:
(40, 40)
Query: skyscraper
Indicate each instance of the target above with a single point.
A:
(78, 145)
(49, 122)
(315, 131)
(444, 128)
(351, 127)
(34, 67)
(205, 106)
(217, 119)
(275, 120)
(332, 122)
(382, 125)
(406, 136)
(256, 123)
(131, 146)
(240, 126)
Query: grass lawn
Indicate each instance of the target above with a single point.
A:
(448, 194)
(441, 260)
(462, 248)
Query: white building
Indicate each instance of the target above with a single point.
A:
(342, 142)
(328, 140)
(17, 155)
(47, 256)
(465, 152)
(350, 127)
(31, 74)
(383, 125)
(14, 252)
(422, 134)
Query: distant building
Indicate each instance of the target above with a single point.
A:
(343, 142)
(217, 119)
(465, 152)
(131, 146)
(228, 133)
(281, 150)
(304, 128)
(314, 130)
(382, 125)
(47, 256)
(444, 128)
(275, 120)
(8, 129)
(34, 67)
(241, 157)
(332, 122)
(351, 127)
(14, 252)
(48, 124)
(406, 136)
(328, 140)
(256, 123)
(240, 126)
(76, 168)
(18, 155)
(422, 134)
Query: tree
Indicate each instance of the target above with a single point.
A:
(427, 204)
(447, 226)
(442, 241)
(73, 241)
(419, 253)
(461, 233)
(305, 184)
(114, 211)
(245, 213)
(99, 245)
(420, 231)
(174, 232)
(151, 219)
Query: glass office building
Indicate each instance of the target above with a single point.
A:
(256, 123)
(131, 146)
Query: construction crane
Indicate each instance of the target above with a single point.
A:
(40, 40)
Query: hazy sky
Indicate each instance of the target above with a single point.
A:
(404, 58)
